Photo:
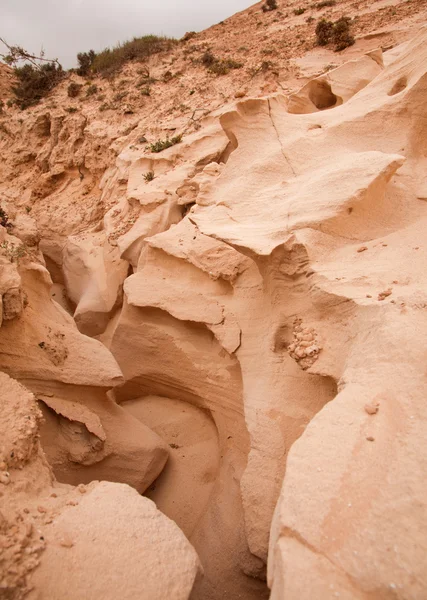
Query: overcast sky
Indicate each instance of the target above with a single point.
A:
(65, 27)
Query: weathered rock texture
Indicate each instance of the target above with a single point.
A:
(54, 536)
(239, 336)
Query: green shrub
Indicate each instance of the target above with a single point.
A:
(85, 60)
(34, 83)
(14, 252)
(91, 90)
(161, 145)
(74, 89)
(167, 76)
(269, 5)
(149, 176)
(342, 36)
(337, 33)
(4, 219)
(219, 66)
(324, 4)
(324, 32)
(188, 36)
(110, 60)
(208, 58)
(224, 66)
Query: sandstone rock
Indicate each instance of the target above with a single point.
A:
(94, 275)
(39, 528)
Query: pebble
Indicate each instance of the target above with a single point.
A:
(383, 295)
(362, 248)
(372, 408)
(5, 478)
(370, 438)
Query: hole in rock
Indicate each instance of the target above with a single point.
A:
(399, 86)
(185, 209)
(321, 94)
(58, 291)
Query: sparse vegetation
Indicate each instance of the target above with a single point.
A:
(85, 60)
(219, 66)
(299, 11)
(35, 83)
(71, 109)
(111, 60)
(92, 90)
(4, 219)
(146, 91)
(324, 4)
(149, 176)
(13, 252)
(337, 32)
(119, 96)
(167, 76)
(74, 89)
(188, 36)
(35, 79)
(161, 145)
(269, 5)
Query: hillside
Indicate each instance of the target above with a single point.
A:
(212, 306)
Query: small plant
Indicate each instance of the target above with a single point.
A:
(188, 36)
(161, 145)
(4, 219)
(119, 96)
(74, 89)
(324, 4)
(13, 252)
(71, 109)
(149, 176)
(111, 60)
(219, 66)
(92, 90)
(9, 103)
(299, 11)
(146, 91)
(208, 58)
(269, 5)
(167, 76)
(106, 106)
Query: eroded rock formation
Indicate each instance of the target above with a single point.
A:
(239, 337)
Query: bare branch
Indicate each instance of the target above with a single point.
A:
(17, 54)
